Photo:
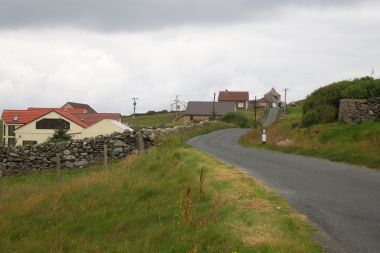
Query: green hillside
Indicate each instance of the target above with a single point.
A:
(152, 120)
(356, 144)
(150, 203)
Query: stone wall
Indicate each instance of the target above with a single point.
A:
(77, 153)
(357, 110)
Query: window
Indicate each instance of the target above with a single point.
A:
(240, 105)
(11, 129)
(52, 124)
(11, 142)
(29, 143)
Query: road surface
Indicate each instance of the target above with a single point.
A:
(272, 116)
(342, 200)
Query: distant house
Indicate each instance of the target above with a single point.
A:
(180, 106)
(36, 125)
(271, 99)
(240, 98)
(201, 110)
(73, 105)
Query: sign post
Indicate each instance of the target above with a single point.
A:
(264, 136)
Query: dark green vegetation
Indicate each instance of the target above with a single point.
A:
(356, 144)
(153, 119)
(139, 205)
(59, 136)
(322, 105)
(245, 119)
(1, 132)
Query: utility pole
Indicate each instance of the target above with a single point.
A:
(285, 90)
(134, 107)
(213, 108)
(176, 105)
(255, 107)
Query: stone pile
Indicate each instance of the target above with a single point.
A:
(78, 153)
(358, 110)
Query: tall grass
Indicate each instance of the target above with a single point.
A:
(139, 205)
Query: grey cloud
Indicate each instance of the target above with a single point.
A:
(142, 14)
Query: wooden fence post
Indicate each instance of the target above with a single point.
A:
(1, 189)
(202, 182)
(140, 143)
(58, 167)
(105, 156)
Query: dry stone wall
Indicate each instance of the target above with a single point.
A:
(77, 153)
(358, 110)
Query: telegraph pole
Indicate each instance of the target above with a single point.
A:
(285, 90)
(213, 108)
(176, 105)
(255, 107)
(134, 106)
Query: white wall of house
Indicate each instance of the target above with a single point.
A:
(29, 132)
(103, 127)
(180, 107)
(7, 135)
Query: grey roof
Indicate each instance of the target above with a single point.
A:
(205, 108)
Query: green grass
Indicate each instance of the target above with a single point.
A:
(153, 120)
(357, 144)
(138, 206)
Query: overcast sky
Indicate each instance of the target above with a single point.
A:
(106, 52)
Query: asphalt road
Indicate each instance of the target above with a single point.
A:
(272, 116)
(342, 200)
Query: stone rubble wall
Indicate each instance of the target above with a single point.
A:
(78, 153)
(358, 110)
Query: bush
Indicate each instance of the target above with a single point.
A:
(310, 118)
(236, 118)
(60, 135)
(325, 100)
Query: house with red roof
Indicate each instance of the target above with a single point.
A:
(240, 98)
(36, 125)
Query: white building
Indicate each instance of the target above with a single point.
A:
(37, 125)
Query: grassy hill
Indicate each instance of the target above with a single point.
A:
(356, 144)
(143, 204)
(152, 120)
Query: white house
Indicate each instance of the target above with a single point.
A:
(179, 107)
(36, 125)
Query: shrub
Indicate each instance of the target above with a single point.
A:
(310, 118)
(60, 135)
(325, 100)
(237, 118)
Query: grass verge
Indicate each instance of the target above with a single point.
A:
(357, 144)
(139, 205)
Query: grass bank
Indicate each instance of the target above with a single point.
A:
(152, 120)
(139, 205)
(355, 144)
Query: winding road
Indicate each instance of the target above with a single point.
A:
(342, 200)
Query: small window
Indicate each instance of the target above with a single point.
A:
(52, 124)
(11, 130)
(240, 105)
(11, 141)
(29, 143)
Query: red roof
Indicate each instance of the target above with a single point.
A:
(233, 96)
(92, 118)
(76, 115)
